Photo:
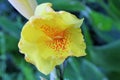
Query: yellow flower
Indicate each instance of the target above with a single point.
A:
(49, 37)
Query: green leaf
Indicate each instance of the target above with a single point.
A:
(10, 27)
(104, 27)
(81, 69)
(88, 69)
(71, 71)
(87, 36)
(69, 5)
(27, 71)
(115, 6)
(90, 1)
(114, 75)
(107, 56)
(7, 43)
(11, 43)
(100, 21)
(2, 43)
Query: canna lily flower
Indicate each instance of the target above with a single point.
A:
(49, 37)
(25, 7)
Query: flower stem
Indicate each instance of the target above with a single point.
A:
(57, 73)
(59, 70)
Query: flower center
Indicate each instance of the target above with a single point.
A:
(58, 39)
(58, 43)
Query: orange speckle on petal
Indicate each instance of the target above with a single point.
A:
(59, 41)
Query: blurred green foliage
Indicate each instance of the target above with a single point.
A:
(101, 31)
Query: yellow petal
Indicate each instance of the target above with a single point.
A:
(61, 18)
(37, 56)
(77, 44)
(27, 33)
(25, 7)
(44, 8)
(70, 19)
(34, 44)
(33, 33)
(33, 56)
